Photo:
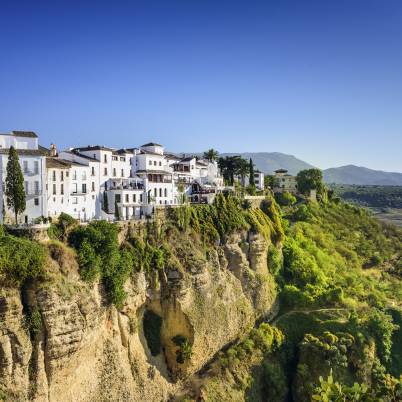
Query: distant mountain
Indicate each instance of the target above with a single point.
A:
(268, 162)
(352, 174)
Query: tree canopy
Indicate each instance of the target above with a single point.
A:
(310, 179)
(211, 155)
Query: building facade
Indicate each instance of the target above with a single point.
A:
(97, 182)
(33, 165)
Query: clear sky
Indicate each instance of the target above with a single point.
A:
(318, 79)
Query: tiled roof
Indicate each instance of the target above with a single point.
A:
(151, 144)
(94, 148)
(187, 159)
(56, 163)
(27, 152)
(75, 152)
(28, 134)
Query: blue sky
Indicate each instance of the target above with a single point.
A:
(318, 79)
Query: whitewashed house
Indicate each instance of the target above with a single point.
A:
(57, 186)
(150, 165)
(85, 197)
(32, 158)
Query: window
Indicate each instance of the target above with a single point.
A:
(105, 158)
(84, 188)
(117, 198)
(122, 172)
(84, 175)
(61, 175)
(127, 199)
(150, 163)
(36, 167)
(36, 201)
(160, 192)
(155, 192)
(114, 158)
(92, 171)
(114, 172)
(93, 186)
(67, 173)
(25, 166)
(75, 200)
(134, 198)
(154, 163)
(160, 163)
(54, 189)
(54, 175)
(74, 188)
(62, 189)
(75, 175)
(105, 171)
(140, 197)
(165, 192)
(122, 158)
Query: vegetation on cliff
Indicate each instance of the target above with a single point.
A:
(340, 292)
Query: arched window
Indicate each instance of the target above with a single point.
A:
(165, 192)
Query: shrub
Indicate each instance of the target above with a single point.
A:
(21, 260)
(99, 256)
(185, 350)
(285, 198)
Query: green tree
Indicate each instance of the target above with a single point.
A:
(269, 181)
(251, 173)
(105, 202)
(310, 179)
(14, 191)
(211, 155)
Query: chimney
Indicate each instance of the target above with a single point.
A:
(53, 150)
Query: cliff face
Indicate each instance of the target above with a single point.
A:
(61, 341)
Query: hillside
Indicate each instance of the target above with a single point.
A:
(352, 174)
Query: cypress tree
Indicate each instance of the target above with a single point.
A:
(251, 180)
(116, 211)
(15, 192)
(105, 202)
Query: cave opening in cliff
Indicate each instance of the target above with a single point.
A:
(152, 323)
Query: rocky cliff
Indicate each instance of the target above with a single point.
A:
(60, 339)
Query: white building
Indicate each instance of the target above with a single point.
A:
(124, 196)
(150, 165)
(32, 158)
(85, 197)
(258, 180)
(57, 186)
(97, 182)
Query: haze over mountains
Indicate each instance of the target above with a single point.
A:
(268, 162)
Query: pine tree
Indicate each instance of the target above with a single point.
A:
(15, 192)
(251, 180)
